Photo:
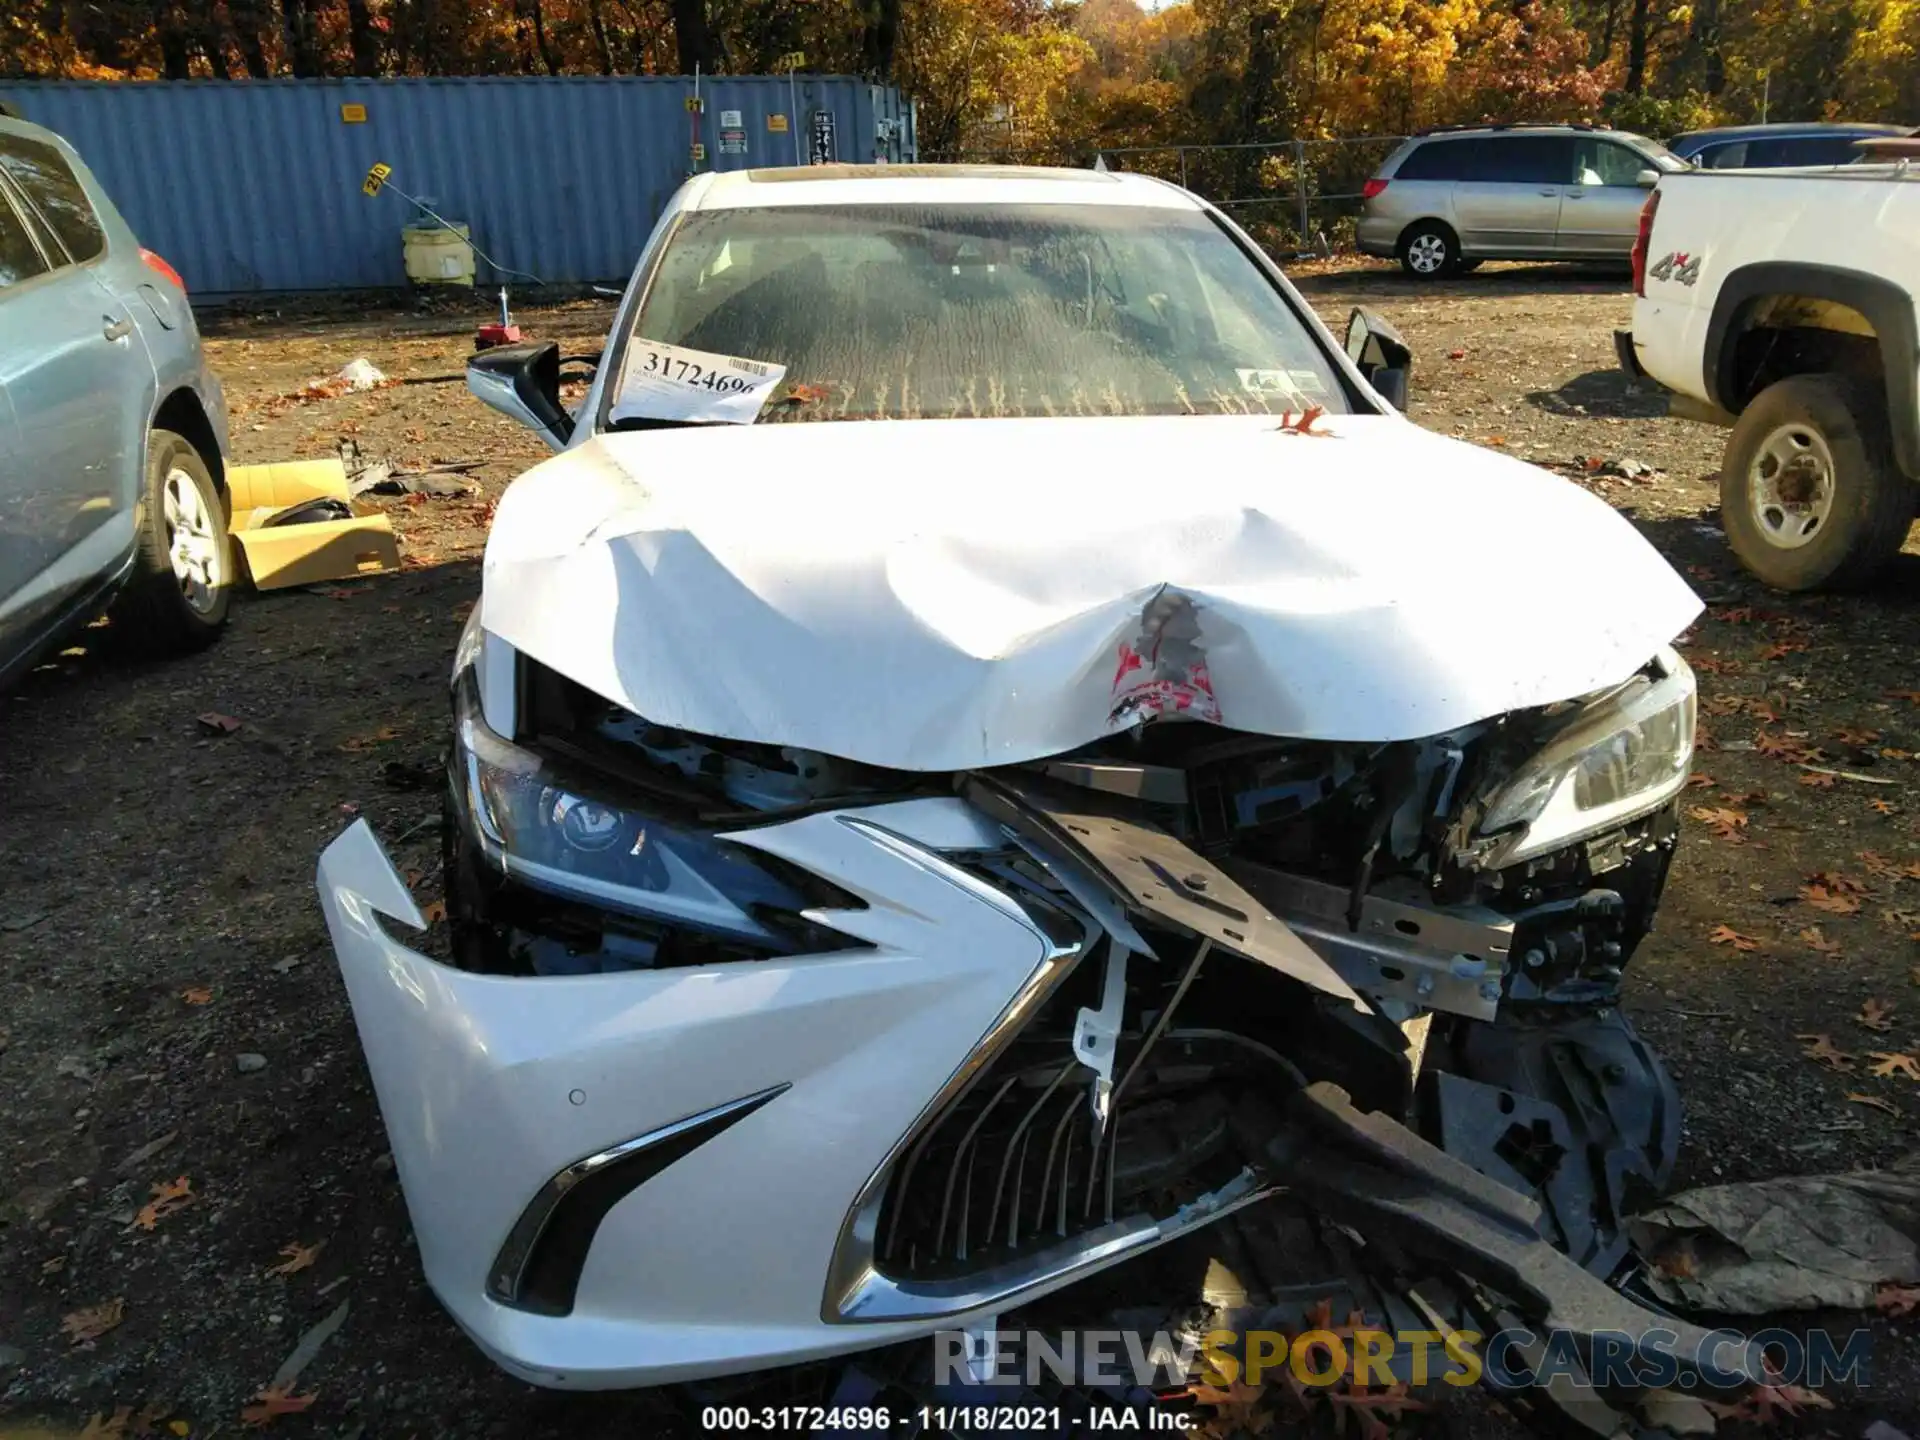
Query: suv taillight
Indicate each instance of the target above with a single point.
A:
(1641, 241)
(1372, 188)
(160, 267)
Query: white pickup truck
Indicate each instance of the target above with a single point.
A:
(1787, 305)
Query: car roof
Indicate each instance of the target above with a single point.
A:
(1456, 132)
(932, 185)
(1782, 130)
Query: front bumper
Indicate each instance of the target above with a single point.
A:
(493, 1086)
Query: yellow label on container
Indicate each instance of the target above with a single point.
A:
(353, 114)
(777, 124)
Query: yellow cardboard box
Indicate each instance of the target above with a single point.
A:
(277, 556)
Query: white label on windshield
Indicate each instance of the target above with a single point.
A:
(668, 382)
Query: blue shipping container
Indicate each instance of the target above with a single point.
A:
(254, 185)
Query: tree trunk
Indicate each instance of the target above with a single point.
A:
(1599, 54)
(547, 57)
(175, 56)
(361, 38)
(693, 36)
(597, 10)
(1637, 47)
(213, 44)
(880, 38)
(303, 50)
(1706, 30)
(248, 22)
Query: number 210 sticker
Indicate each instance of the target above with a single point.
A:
(670, 382)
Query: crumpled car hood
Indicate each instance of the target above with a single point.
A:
(944, 595)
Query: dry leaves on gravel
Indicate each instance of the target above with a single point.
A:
(1769, 1404)
(1818, 780)
(1896, 1299)
(1820, 897)
(1725, 823)
(1822, 1048)
(172, 1196)
(1366, 1406)
(273, 1402)
(1894, 1062)
(94, 1321)
(1818, 942)
(1876, 1015)
(197, 995)
(298, 1257)
(1727, 935)
(1875, 1102)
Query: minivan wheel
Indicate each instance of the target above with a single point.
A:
(1810, 496)
(1429, 250)
(176, 599)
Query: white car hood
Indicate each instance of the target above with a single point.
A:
(941, 595)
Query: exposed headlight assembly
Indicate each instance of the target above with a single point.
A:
(569, 837)
(1620, 757)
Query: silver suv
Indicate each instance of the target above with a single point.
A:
(113, 432)
(1446, 200)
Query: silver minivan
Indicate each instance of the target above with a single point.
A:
(1446, 200)
(113, 431)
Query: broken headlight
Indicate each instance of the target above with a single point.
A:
(1619, 757)
(553, 833)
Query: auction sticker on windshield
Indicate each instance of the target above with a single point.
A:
(670, 382)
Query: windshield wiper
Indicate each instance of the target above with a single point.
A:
(648, 422)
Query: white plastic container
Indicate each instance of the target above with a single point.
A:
(438, 254)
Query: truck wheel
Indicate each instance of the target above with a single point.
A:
(176, 599)
(1429, 250)
(1810, 496)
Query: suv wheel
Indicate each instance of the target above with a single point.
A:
(1429, 250)
(182, 582)
(1810, 496)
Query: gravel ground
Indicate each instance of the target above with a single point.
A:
(169, 1009)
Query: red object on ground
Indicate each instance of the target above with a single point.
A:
(494, 333)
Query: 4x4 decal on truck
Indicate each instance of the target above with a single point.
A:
(1677, 265)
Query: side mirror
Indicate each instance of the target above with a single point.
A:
(1647, 179)
(1381, 354)
(522, 382)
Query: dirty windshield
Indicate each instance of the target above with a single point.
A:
(866, 312)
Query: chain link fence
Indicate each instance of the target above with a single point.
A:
(1294, 196)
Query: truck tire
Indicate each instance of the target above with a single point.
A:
(1429, 250)
(176, 597)
(1810, 496)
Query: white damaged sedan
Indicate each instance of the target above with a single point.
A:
(990, 742)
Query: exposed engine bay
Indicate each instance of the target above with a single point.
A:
(1242, 927)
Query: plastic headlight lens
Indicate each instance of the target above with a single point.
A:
(545, 833)
(1623, 756)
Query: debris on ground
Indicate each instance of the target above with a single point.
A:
(303, 1353)
(373, 476)
(1807, 1242)
(357, 374)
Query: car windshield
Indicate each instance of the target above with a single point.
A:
(870, 312)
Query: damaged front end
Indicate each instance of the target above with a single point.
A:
(746, 1055)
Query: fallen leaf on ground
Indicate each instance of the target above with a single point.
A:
(94, 1321)
(1779, 747)
(1848, 735)
(216, 723)
(1876, 863)
(1819, 942)
(1821, 898)
(1700, 779)
(1877, 1102)
(1822, 1048)
(108, 1427)
(1911, 696)
(197, 995)
(299, 1257)
(1768, 1404)
(1880, 807)
(1818, 780)
(1910, 870)
(1737, 615)
(167, 1198)
(1392, 1402)
(53, 1266)
(1780, 649)
(1876, 1015)
(1838, 883)
(1894, 1062)
(1896, 1299)
(1890, 753)
(434, 913)
(1725, 823)
(1727, 935)
(275, 1401)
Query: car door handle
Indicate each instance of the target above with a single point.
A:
(116, 329)
(1549, 193)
